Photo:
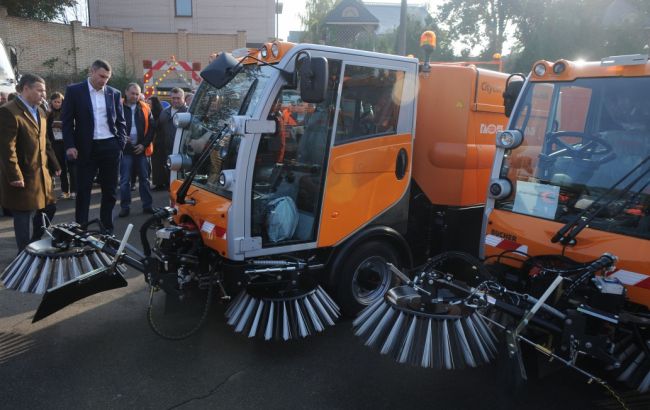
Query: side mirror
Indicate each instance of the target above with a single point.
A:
(514, 83)
(13, 57)
(223, 69)
(314, 75)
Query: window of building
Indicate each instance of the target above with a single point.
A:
(183, 8)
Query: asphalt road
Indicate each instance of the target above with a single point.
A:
(100, 353)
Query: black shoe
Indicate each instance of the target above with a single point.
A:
(124, 212)
(148, 211)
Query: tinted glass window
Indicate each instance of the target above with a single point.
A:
(370, 102)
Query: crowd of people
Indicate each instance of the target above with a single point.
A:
(92, 134)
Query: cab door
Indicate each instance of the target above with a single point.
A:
(289, 170)
(369, 169)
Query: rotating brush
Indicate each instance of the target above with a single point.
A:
(40, 266)
(427, 323)
(297, 316)
(634, 363)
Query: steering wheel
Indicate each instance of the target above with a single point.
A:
(591, 148)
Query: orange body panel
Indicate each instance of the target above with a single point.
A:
(361, 184)
(589, 69)
(535, 233)
(460, 110)
(209, 208)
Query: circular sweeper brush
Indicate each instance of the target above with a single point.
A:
(41, 266)
(291, 315)
(430, 322)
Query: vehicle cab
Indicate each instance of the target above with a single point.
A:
(290, 173)
(572, 172)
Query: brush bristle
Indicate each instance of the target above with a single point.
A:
(634, 369)
(34, 271)
(431, 341)
(282, 319)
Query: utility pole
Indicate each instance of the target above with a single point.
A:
(401, 42)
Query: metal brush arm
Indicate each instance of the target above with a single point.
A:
(405, 278)
(120, 250)
(524, 322)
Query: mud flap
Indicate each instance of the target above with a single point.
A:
(95, 281)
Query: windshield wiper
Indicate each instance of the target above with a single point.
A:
(567, 234)
(187, 182)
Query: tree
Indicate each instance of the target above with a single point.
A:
(387, 43)
(45, 10)
(572, 29)
(480, 22)
(312, 20)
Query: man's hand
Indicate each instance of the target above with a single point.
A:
(57, 173)
(17, 184)
(72, 153)
(138, 149)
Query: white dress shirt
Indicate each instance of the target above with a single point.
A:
(100, 114)
(133, 134)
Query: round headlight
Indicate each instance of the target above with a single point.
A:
(559, 67)
(177, 162)
(264, 52)
(500, 188)
(509, 139)
(540, 69)
(222, 179)
(275, 49)
(182, 119)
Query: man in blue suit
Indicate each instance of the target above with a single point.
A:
(94, 135)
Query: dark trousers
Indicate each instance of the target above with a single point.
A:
(39, 225)
(104, 162)
(22, 227)
(68, 169)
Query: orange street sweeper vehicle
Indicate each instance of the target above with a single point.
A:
(299, 172)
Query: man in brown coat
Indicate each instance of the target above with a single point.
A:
(25, 155)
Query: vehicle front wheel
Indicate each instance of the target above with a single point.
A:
(364, 276)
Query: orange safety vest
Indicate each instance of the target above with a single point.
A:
(148, 151)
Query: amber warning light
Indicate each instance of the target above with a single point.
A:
(427, 43)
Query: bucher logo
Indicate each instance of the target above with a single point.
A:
(504, 235)
(490, 89)
(491, 128)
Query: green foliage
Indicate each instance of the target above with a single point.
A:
(548, 29)
(573, 29)
(312, 20)
(480, 22)
(45, 10)
(122, 77)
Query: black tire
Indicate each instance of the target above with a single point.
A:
(364, 277)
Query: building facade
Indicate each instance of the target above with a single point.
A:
(255, 17)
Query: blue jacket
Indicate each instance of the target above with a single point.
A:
(78, 121)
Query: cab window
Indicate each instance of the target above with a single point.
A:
(290, 166)
(370, 103)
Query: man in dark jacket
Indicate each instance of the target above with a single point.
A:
(94, 136)
(26, 157)
(139, 131)
(164, 143)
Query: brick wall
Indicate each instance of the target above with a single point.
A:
(67, 49)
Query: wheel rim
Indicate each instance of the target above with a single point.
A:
(371, 280)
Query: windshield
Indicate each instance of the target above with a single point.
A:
(580, 139)
(211, 111)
